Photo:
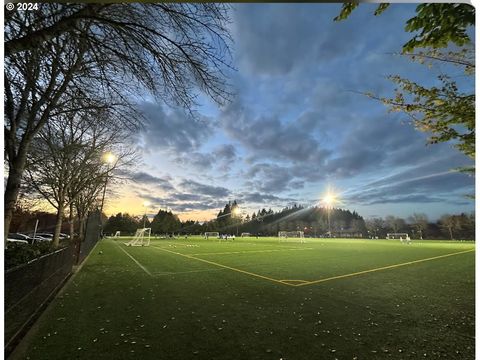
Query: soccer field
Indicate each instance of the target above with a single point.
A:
(263, 299)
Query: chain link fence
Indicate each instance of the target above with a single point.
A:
(93, 230)
(29, 287)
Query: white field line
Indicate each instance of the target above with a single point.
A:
(174, 244)
(167, 273)
(136, 261)
(248, 252)
(276, 245)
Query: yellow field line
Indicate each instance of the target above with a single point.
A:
(382, 268)
(287, 282)
(248, 251)
(225, 266)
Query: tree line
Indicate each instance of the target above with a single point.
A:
(313, 221)
(453, 227)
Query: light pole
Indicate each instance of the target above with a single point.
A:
(236, 211)
(146, 204)
(329, 199)
(108, 158)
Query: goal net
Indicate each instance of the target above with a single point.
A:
(246, 234)
(398, 236)
(141, 238)
(212, 234)
(291, 236)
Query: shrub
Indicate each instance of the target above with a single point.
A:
(17, 254)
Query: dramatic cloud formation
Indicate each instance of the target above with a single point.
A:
(299, 122)
(270, 137)
(215, 191)
(174, 130)
(143, 178)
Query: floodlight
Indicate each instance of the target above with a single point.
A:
(109, 157)
(329, 199)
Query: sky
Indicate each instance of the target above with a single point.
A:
(298, 125)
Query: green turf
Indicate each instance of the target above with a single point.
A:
(171, 305)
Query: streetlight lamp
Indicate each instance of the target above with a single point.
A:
(108, 158)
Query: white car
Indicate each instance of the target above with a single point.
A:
(17, 241)
(42, 236)
(18, 236)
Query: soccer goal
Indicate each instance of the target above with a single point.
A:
(141, 238)
(117, 234)
(212, 234)
(246, 234)
(403, 237)
(291, 236)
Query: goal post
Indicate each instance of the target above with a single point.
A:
(403, 237)
(141, 238)
(291, 236)
(398, 236)
(212, 234)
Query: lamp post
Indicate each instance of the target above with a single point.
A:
(236, 211)
(146, 204)
(329, 199)
(108, 158)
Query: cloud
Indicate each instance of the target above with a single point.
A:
(259, 198)
(271, 178)
(209, 190)
(271, 41)
(446, 187)
(225, 152)
(143, 178)
(182, 201)
(269, 137)
(221, 157)
(299, 119)
(175, 130)
(191, 206)
(198, 160)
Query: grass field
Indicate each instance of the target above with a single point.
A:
(261, 299)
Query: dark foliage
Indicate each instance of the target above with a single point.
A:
(18, 254)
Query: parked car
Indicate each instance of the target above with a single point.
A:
(41, 236)
(16, 241)
(18, 236)
(44, 235)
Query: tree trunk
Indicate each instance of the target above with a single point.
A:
(70, 218)
(81, 229)
(451, 233)
(12, 188)
(58, 226)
